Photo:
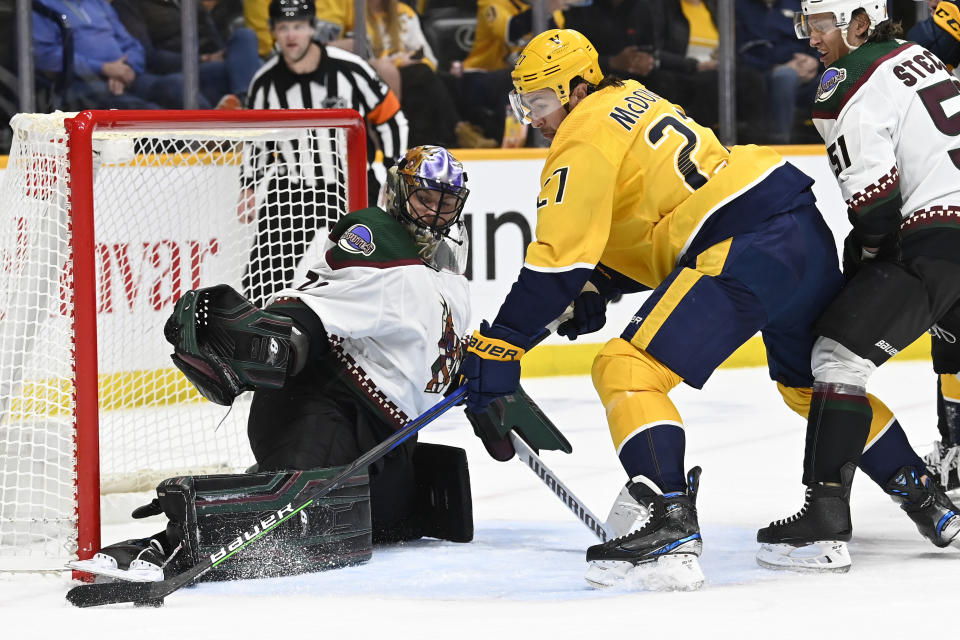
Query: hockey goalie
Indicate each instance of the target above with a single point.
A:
(337, 363)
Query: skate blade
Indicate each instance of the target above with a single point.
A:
(951, 532)
(674, 572)
(108, 569)
(827, 556)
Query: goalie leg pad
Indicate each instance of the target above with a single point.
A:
(444, 503)
(206, 512)
(444, 500)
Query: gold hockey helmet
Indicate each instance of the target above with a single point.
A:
(550, 61)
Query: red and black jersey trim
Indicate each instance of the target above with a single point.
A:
(833, 114)
(880, 191)
(936, 216)
(362, 382)
(373, 264)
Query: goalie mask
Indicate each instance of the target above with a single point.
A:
(426, 191)
(823, 16)
(542, 75)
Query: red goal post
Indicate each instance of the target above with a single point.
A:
(107, 217)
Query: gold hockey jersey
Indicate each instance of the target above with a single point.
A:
(633, 184)
(630, 180)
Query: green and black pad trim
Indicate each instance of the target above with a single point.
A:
(206, 512)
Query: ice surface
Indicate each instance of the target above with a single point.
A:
(523, 574)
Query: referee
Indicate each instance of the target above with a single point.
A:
(306, 75)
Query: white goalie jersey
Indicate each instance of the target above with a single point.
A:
(889, 114)
(395, 325)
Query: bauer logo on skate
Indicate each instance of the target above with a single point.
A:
(258, 529)
(358, 239)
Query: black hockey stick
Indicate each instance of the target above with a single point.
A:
(153, 593)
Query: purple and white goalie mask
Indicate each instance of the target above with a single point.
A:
(429, 193)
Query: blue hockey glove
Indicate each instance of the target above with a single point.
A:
(492, 365)
(589, 314)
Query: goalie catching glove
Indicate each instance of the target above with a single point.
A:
(225, 345)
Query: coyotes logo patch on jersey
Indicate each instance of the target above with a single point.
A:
(451, 353)
(829, 81)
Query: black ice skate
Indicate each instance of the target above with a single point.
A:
(139, 560)
(662, 554)
(943, 463)
(813, 539)
(937, 518)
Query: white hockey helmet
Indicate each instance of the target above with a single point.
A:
(842, 11)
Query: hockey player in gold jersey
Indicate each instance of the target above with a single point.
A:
(636, 196)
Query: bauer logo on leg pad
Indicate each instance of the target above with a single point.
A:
(255, 532)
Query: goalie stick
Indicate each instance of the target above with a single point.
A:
(153, 593)
(532, 461)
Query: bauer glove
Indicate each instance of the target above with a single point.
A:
(492, 364)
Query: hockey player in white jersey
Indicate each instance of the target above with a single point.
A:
(368, 340)
(888, 113)
(940, 34)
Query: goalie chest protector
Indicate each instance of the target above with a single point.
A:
(395, 324)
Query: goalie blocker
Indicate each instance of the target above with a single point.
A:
(206, 512)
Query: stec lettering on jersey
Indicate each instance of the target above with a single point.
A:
(917, 67)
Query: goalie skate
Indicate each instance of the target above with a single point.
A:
(662, 554)
(132, 560)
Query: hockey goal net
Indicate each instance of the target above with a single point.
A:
(107, 218)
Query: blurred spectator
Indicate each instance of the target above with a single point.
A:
(503, 28)
(109, 63)
(626, 36)
(333, 27)
(228, 51)
(766, 41)
(669, 46)
(940, 33)
(402, 57)
(396, 37)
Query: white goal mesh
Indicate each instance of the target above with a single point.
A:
(174, 201)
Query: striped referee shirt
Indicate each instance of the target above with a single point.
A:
(341, 80)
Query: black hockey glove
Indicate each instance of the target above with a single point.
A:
(854, 255)
(589, 314)
(225, 345)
